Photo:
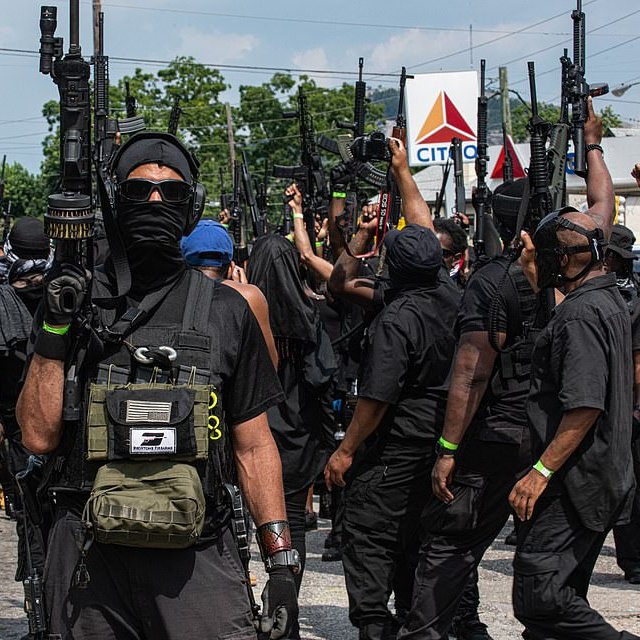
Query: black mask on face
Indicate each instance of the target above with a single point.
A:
(151, 233)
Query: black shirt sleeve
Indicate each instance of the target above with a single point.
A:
(254, 386)
(635, 326)
(475, 309)
(385, 370)
(584, 370)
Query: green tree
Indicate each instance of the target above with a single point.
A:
(24, 190)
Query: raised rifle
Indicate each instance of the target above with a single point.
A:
(540, 198)
(360, 106)
(104, 128)
(482, 195)
(558, 144)
(507, 166)
(443, 186)
(458, 173)
(308, 174)
(69, 218)
(579, 90)
(174, 117)
(250, 200)
(237, 224)
(262, 194)
(133, 122)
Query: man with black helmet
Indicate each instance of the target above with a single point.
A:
(619, 259)
(579, 411)
(176, 381)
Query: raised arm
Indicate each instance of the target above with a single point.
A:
(600, 194)
(345, 281)
(318, 265)
(414, 206)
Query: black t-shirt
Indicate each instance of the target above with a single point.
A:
(509, 302)
(583, 359)
(409, 348)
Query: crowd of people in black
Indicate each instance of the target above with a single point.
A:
(435, 393)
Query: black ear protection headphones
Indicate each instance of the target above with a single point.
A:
(198, 194)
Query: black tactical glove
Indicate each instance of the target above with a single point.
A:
(64, 290)
(279, 604)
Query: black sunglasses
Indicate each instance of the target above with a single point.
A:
(140, 190)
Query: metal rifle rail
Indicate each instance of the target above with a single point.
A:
(483, 195)
(458, 174)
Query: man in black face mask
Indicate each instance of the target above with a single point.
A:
(176, 384)
(579, 411)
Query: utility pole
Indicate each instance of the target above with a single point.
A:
(97, 10)
(504, 98)
(230, 138)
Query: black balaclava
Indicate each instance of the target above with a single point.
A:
(151, 231)
(549, 251)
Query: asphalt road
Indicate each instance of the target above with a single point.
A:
(323, 600)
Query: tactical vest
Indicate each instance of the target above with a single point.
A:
(512, 369)
(192, 377)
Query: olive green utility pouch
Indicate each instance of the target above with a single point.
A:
(155, 504)
(149, 421)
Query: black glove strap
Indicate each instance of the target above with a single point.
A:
(51, 345)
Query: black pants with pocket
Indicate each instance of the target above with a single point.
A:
(460, 533)
(144, 594)
(552, 568)
(381, 535)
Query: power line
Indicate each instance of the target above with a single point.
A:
(336, 23)
(492, 40)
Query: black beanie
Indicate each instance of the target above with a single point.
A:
(150, 147)
(28, 240)
(414, 255)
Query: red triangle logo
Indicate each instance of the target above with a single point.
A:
(498, 169)
(443, 123)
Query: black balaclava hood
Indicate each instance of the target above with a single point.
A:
(414, 256)
(549, 251)
(273, 268)
(505, 205)
(151, 231)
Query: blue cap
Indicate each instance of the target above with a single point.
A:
(208, 245)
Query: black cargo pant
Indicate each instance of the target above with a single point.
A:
(460, 533)
(137, 594)
(627, 536)
(381, 534)
(552, 568)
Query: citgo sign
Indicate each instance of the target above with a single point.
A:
(441, 106)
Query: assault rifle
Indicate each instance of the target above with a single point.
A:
(69, 218)
(458, 173)
(250, 200)
(482, 195)
(104, 128)
(133, 122)
(349, 146)
(174, 117)
(579, 90)
(540, 198)
(507, 166)
(308, 175)
(443, 186)
(237, 224)
(359, 111)
(262, 195)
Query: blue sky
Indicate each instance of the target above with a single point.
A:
(312, 35)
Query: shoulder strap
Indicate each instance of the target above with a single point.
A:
(197, 308)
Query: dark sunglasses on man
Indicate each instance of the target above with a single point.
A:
(140, 190)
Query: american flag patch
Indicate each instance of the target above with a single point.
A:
(144, 411)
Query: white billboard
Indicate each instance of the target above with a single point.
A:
(439, 107)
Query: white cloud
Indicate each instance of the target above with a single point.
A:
(311, 59)
(215, 46)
